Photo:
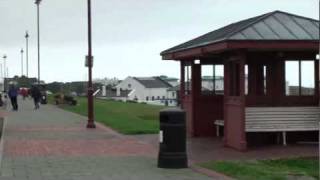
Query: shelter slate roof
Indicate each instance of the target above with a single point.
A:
(275, 25)
(153, 82)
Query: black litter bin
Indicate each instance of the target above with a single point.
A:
(172, 137)
(43, 99)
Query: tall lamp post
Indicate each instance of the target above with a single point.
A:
(27, 53)
(4, 72)
(91, 123)
(21, 62)
(4, 65)
(38, 27)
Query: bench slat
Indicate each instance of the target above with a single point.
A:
(280, 119)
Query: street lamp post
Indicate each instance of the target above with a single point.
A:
(4, 65)
(91, 123)
(21, 62)
(4, 72)
(38, 27)
(27, 53)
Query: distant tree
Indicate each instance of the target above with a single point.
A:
(80, 87)
(22, 81)
(55, 87)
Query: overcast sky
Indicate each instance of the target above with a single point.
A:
(128, 35)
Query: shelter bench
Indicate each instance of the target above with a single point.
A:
(279, 119)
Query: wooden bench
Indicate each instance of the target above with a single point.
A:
(279, 119)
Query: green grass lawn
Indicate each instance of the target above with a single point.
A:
(126, 118)
(266, 169)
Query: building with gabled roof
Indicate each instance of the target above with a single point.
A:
(264, 45)
(145, 89)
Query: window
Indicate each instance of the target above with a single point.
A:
(307, 78)
(152, 98)
(158, 97)
(147, 98)
(173, 94)
(300, 78)
(187, 79)
(163, 97)
(212, 79)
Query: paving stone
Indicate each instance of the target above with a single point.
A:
(52, 144)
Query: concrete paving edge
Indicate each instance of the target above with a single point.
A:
(213, 174)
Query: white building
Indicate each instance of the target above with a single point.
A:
(171, 80)
(152, 90)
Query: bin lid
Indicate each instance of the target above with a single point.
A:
(170, 110)
(172, 116)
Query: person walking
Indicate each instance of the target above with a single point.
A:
(24, 93)
(36, 95)
(13, 93)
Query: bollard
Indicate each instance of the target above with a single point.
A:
(172, 137)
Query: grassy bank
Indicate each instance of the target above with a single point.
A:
(267, 169)
(126, 118)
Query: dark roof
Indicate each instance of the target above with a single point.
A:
(175, 88)
(276, 25)
(166, 78)
(153, 82)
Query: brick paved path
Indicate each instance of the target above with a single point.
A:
(53, 144)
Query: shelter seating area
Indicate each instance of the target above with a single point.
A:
(270, 79)
(279, 119)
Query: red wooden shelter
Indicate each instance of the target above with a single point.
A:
(259, 100)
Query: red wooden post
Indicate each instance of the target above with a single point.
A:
(242, 119)
(195, 93)
(234, 105)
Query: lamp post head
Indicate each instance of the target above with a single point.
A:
(4, 56)
(37, 2)
(21, 51)
(27, 35)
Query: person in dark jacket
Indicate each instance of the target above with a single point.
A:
(36, 95)
(13, 93)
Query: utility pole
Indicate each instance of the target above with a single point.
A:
(27, 53)
(4, 65)
(21, 62)
(38, 27)
(90, 64)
